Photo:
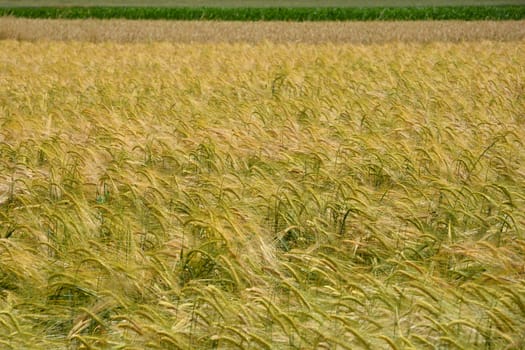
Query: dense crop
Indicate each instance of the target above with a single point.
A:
(275, 14)
(126, 31)
(265, 196)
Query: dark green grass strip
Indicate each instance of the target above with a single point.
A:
(275, 14)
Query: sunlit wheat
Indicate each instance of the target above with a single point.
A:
(262, 196)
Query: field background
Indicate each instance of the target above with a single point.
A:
(260, 3)
(129, 31)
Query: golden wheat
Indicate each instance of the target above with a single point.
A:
(262, 196)
(125, 31)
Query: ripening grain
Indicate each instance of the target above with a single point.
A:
(262, 196)
(129, 31)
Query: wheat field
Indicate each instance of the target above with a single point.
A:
(263, 196)
(140, 31)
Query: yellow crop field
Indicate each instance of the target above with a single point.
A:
(262, 196)
(133, 31)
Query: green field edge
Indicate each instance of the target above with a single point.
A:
(512, 12)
